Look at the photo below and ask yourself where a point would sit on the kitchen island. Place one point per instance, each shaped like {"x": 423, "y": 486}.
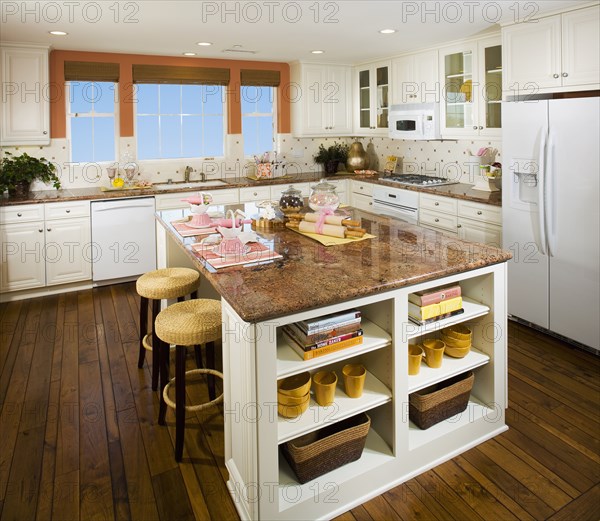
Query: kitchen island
{"x": 375, "y": 276}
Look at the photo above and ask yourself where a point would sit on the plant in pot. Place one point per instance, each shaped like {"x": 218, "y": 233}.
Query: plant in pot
{"x": 331, "y": 156}
{"x": 18, "y": 172}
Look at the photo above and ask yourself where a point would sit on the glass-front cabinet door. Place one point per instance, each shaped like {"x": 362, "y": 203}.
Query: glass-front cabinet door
{"x": 459, "y": 68}
{"x": 490, "y": 118}
{"x": 373, "y": 99}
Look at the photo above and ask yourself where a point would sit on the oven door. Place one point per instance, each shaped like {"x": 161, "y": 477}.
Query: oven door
{"x": 399, "y": 204}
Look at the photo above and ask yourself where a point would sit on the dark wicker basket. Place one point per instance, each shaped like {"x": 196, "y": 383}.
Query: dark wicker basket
{"x": 440, "y": 401}
{"x": 322, "y": 451}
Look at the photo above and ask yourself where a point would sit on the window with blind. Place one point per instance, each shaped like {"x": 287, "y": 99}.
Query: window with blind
{"x": 258, "y": 110}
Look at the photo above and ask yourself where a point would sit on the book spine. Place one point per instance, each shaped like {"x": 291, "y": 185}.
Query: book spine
{"x": 328, "y": 323}
{"x": 340, "y": 329}
{"x": 435, "y": 297}
{"x": 334, "y": 340}
{"x": 434, "y": 310}
{"x": 438, "y": 318}
{"x": 338, "y": 346}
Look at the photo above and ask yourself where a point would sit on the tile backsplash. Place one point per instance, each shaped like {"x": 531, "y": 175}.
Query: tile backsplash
{"x": 448, "y": 159}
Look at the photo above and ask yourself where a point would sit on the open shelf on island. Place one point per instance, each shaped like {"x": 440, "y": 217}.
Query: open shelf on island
{"x": 376, "y": 453}
{"x": 375, "y": 393}
{"x": 475, "y": 411}
{"x": 472, "y": 309}
{"x": 450, "y": 367}
{"x": 290, "y": 363}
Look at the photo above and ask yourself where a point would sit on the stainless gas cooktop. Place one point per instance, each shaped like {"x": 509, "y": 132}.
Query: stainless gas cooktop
{"x": 418, "y": 180}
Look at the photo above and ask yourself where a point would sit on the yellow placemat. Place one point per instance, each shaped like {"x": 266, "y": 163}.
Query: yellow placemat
{"x": 254, "y": 178}
{"x": 116, "y": 189}
{"x": 326, "y": 240}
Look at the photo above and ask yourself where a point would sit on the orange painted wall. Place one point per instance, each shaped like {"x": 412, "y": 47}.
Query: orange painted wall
{"x": 58, "y": 120}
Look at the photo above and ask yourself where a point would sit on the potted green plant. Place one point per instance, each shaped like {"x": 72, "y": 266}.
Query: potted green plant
{"x": 18, "y": 172}
{"x": 331, "y": 156}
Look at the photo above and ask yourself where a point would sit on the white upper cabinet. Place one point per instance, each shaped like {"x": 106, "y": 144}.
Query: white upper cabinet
{"x": 372, "y": 91}
{"x": 471, "y": 89}
{"x": 415, "y": 78}
{"x": 322, "y": 102}
{"x": 557, "y": 53}
{"x": 25, "y": 95}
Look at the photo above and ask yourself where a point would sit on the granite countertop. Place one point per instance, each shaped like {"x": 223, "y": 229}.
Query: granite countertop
{"x": 458, "y": 191}
{"x": 311, "y": 275}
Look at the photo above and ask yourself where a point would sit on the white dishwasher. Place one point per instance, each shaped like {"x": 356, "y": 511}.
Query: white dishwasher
{"x": 123, "y": 239}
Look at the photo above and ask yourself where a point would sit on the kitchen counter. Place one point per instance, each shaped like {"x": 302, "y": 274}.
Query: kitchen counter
{"x": 400, "y": 255}
{"x": 458, "y": 191}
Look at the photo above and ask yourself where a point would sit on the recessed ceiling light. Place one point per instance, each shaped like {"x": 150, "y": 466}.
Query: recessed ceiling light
{"x": 189, "y": 54}
{"x": 317, "y": 52}
{"x": 204, "y": 44}
{"x": 58, "y": 33}
{"x": 387, "y": 31}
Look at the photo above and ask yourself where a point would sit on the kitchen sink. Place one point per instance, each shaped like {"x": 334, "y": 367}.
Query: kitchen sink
{"x": 192, "y": 185}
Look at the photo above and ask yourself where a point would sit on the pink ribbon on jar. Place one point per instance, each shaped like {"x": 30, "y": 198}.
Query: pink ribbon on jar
{"x": 321, "y": 219}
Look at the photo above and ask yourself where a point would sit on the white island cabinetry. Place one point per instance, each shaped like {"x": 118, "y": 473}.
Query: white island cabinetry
{"x": 257, "y": 355}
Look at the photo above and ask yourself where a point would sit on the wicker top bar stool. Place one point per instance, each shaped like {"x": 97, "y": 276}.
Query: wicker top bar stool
{"x": 167, "y": 283}
{"x": 189, "y": 323}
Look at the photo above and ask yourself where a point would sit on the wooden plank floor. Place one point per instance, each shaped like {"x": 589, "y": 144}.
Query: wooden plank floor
{"x": 79, "y": 439}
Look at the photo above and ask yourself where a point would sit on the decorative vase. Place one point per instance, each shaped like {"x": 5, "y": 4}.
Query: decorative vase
{"x": 331, "y": 166}
{"x": 21, "y": 189}
{"x": 357, "y": 158}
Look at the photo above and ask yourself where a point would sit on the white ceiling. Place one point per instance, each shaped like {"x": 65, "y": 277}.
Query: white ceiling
{"x": 280, "y": 30}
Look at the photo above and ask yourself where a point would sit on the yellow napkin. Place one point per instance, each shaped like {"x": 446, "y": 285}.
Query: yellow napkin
{"x": 326, "y": 240}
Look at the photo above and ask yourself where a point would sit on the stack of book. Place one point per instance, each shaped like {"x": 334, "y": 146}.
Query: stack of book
{"x": 324, "y": 335}
{"x": 435, "y": 304}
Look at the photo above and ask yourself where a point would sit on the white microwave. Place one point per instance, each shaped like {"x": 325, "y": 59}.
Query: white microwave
{"x": 415, "y": 121}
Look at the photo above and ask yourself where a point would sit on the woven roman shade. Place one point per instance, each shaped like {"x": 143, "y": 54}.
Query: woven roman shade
{"x": 180, "y": 75}
{"x": 256, "y": 78}
{"x": 91, "y": 71}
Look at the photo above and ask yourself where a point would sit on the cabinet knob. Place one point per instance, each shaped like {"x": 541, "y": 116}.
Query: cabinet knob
{"x": 41, "y": 230}
{"x": 565, "y": 74}
{"x": 437, "y": 204}
{"x": 459, "y": 226}
{"x": 255, "y": 194}
{"x": 480, "y": 128}
{"x": 556, "y": 75}
{"x": 475, "y": 127}
{"x": 480, "y": 213}
{"x": 68, "y": 211}
{"x": 370, "y": 204}
{"x": 437, "y": 220}
{"x": 48, "y": 229}
{"x": 45, "y": 132}
{"x": 19, "y": 215}
{"x": 360, "y": 188}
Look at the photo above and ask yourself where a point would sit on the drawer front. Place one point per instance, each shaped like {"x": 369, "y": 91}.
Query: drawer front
{"x": 277, "y": 189}
{"x": 173, "y": 201}
{"x": 362, "y": 202}
{"x": 229, "y": 196}
{"x": 255, "y": 194}
{"x": 67, "y": 210}
{"x": 439, "y": 204}
{"x": 21, "y": 213}
{"x": 340, "y": 184}
{"x": 439, "y": 220}
{"x": 447, "y": 233}
{"x": 359, "y": 187}
{"x": 481, "y": 212}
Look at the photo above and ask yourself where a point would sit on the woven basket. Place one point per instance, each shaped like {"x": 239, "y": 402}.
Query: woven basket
{"x": 441, "y": 401}
{"x": 322, "y": 451}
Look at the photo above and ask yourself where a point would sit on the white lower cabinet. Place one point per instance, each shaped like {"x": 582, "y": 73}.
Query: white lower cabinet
{"x": 474, "y": 231}
{"x": 262, "y": 482}
{"x": 361, "y": 195}
{"x": 39, "y": 251}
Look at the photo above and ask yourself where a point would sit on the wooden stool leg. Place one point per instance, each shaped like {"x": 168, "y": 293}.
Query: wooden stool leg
{"x": 179, "y": 401}
{"x": 194, "y": 295}
{"x": 181, "y": 299}
{"x": 163, "y": 349}
{"x": 210, "y": 364}
{"x": 155, "y": 352}
{"x": 143, "y": 329}
{"x": 198, "y": 354}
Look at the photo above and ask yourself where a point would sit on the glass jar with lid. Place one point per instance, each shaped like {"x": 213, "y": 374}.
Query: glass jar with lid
{"x": 323, "y": 197}
{"x": 291, "y": 200}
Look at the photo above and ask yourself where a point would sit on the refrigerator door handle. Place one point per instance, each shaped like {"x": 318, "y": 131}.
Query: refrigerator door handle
{"x": 550, "y": 189}
{"x": 541, "y": 191}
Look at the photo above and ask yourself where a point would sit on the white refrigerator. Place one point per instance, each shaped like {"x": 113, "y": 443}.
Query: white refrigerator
{"x": 550, "y": 214}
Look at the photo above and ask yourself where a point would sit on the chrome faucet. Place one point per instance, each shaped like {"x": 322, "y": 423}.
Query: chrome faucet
{"x": 186, "y": 174}
{"x": 202, "y": 176}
